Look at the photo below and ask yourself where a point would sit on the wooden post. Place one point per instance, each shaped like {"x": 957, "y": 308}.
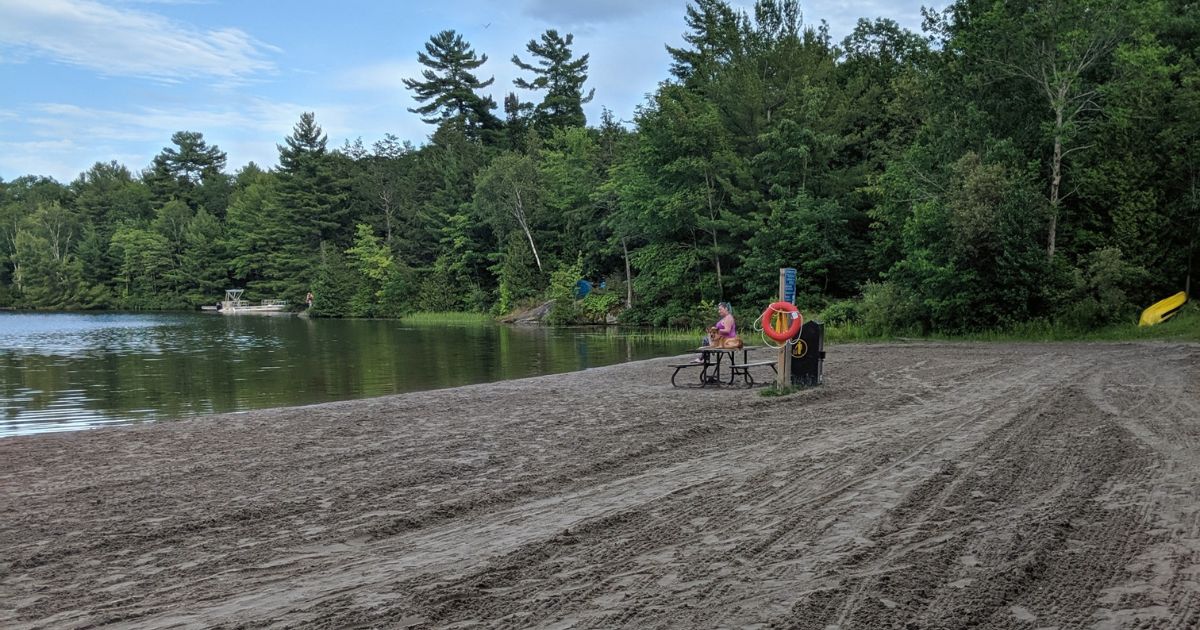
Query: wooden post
{"x": 785, "y": 361}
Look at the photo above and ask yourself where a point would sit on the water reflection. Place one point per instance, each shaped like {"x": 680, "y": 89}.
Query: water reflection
{"x": 63, "y": 372}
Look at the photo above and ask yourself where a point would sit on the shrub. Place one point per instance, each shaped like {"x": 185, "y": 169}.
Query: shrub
{"x": 565, "y": 309}
{"x": 886, "y": 308}
{"x": 598, "y": 304}
{"x": 842, "y": 312}
{"x": 1100, "y": 290}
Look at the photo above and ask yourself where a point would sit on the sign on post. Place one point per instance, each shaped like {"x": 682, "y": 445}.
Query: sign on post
{"x": 787, "y": 293}
{"x": 789, "y": 285}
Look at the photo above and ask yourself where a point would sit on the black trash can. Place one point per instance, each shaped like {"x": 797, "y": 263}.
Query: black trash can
{"x": 808, "y": 354}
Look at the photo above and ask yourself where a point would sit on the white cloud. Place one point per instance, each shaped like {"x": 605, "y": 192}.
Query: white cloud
{"x": 60, "y": 159}
{"x": 64, "y": 140}
{"x": 383, "y": 76}
{"x": 842, "y": 17}
{"x": 123, "y": 42}
{"x": 69, "y": 138}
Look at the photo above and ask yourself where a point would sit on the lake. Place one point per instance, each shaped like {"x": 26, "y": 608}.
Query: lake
{"x": 70, "y": 371}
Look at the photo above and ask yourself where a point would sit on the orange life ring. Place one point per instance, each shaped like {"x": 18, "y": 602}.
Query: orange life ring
{"x": 781, "y": 307}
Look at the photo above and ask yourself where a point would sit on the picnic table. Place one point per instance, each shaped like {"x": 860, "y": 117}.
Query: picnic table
{"x": 720, "y": 366}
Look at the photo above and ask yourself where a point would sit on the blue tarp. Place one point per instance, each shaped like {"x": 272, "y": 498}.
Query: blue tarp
{"x": 582, "y": 289}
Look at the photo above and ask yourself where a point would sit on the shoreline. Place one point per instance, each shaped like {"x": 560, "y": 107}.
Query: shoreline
{"x": 927, "y": 483}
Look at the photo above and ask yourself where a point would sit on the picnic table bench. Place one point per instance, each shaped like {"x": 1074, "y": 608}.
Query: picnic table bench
{"x": 711, "y": 361}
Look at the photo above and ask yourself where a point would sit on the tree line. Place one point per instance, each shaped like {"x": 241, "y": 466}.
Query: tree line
{"x": 1014, "y": 161}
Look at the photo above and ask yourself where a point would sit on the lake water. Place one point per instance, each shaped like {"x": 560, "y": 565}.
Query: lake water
{"x": 67, "y": 371}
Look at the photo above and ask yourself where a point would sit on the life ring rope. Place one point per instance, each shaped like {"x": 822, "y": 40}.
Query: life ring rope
{"x": 781, "y": 307}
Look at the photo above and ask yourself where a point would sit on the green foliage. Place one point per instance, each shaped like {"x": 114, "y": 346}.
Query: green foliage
{"x": 508, "y": 194}
{"x": 811, "y": 235}
{"x": 517, "y": 276}
{"x": 46, "y": 267}
{"x": 301, "y": 210}
{"x": 775, "y": 390}
{"x": 560, "y": 77}
{"x": 190, "y": 173}
{"x": 598, "y": 305}
{"x": 1103, "y": 291}
{"x": 842, "y": 312}
{"x": 335, "y": 285}
{"x": 561, "y": 291}
{"x": 570, "y": 170}
{"x": 143, "y": 262}
{"x": 203, "y": 259}
{"x": 971, "y": 257}
{"x": 666, "y": 284}
{"x": 373, "y": 262}
{"x": 932, "y": 175}
{"x": 439, "y": 292}
{"x": 886, "y": 308}
{"x": 448, "y": 90}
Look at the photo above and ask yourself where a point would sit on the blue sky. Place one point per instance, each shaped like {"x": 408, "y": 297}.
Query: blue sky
{"x": 90, "y": 80}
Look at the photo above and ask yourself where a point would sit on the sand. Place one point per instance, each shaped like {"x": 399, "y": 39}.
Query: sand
{"x": 923, "y": 486}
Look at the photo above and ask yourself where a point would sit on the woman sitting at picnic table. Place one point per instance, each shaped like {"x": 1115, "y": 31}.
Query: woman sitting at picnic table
{"x": 726, "y": 328}
{"x": 724, "y": 333}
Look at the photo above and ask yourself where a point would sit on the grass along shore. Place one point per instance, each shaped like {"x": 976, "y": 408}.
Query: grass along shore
{"x": 1183, "y": 327}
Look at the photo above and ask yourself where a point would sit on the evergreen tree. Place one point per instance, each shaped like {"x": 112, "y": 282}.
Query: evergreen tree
{"x": 518, "y": 123}
{"x": 203, "y": 259}
{"x": 334, "y": 285}
{"x": 448, "y": 88}
{"x": 444, "y": 176}
{"x": 309, "y": 208}
{"x": 560, "y": 77}
{"x": 107, "y": 195}
{"x": 571, "y": 168}
{"x": 183, "y": 172}
{"x": 255, "y": 223}
{"x": 715, "y": 38}
{"x": 143, "y": 260}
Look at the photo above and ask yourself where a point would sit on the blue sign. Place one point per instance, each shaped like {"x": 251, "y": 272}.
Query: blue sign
{"x": 789, "y": 285}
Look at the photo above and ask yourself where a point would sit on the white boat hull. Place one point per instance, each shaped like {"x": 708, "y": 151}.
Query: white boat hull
{"x": 233, "y": 304}
{"x": 254, "y": 310}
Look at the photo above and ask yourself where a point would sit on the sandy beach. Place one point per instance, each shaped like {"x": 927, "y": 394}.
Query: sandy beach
{"x": 925, "y": 485}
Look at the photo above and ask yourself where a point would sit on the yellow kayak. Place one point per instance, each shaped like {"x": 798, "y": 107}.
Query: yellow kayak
{"x": 1162, "y": 310}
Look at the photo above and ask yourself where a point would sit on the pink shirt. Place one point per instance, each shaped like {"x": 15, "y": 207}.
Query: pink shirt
{"x": 731, "y": 331}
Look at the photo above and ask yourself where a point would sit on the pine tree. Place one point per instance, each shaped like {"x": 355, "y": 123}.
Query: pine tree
{"x": 449, "y": 85}
{"x": 310, "y": 186}
{"x": 180, "y": 173}
{"x": 561, "y": 78}
{"x": 310, "y": 208}
{"x": 716, "y": 38}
